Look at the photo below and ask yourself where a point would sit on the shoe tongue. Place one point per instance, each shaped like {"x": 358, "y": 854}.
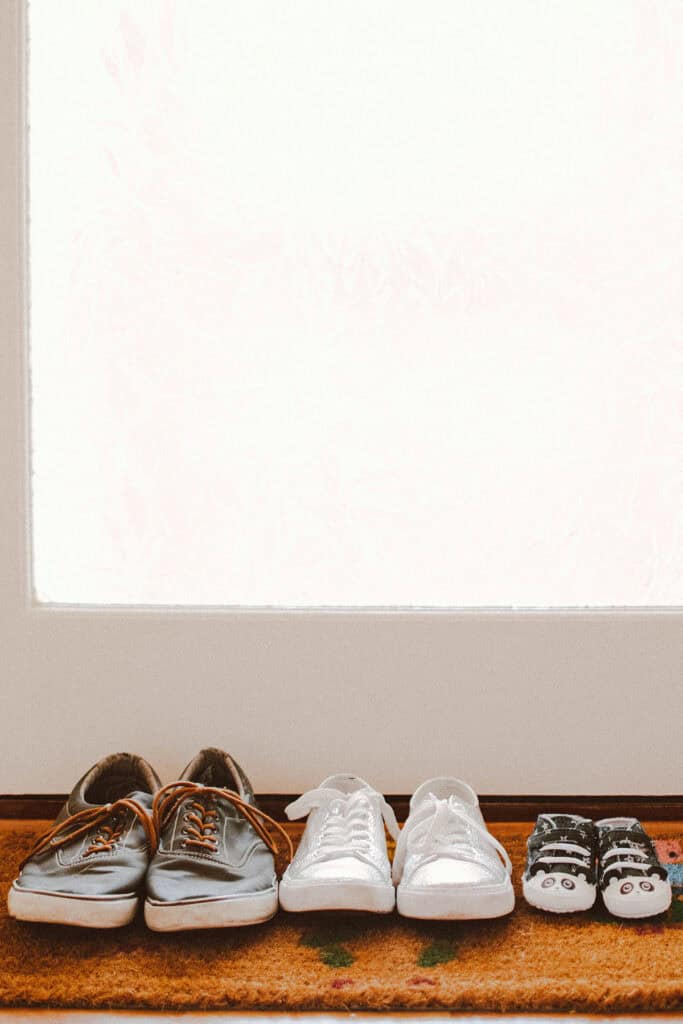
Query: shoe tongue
{"x": 446, "y": 788}
{"x": 608, "y": 824}
{"x": 562, "y": 820}
{"x": 144, "y": 799}
{"x": 346, "y": 783}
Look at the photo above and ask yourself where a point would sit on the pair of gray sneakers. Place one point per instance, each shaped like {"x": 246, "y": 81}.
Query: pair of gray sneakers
{"x": 199, "y": 847}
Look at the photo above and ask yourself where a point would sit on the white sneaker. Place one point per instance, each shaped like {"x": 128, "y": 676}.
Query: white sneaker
{"x": 447, "y": 865}
{"x": 341, "y": 862}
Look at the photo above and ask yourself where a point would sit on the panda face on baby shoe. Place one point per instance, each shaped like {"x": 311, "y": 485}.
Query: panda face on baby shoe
{"x": 632, "y": 881}
{"x": 560, "y": 875}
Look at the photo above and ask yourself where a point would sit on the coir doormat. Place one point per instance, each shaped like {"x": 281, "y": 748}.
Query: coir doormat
{"x": 528, "y": 962}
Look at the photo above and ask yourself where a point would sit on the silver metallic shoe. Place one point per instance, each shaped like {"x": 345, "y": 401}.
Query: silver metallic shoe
{"x": 447, "y": 865}
{"x": 341, "y": 862}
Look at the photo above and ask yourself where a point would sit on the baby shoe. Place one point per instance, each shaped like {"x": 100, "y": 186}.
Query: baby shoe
{"x": 632, "y": 881}
{"x": 88, "y": 869}
{"x": 561, "y": 868}
{"x": 447, "y": 865}
{"x": 214, "y": 865}
{"x": 341, "y": 862}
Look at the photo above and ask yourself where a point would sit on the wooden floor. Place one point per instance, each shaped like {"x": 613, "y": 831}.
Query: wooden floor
{"x": 46, "y": 1016}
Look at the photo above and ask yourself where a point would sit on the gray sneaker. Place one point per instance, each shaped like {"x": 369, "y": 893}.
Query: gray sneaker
{"x": 214, "y": 865}
{"x": 88, "y": 869}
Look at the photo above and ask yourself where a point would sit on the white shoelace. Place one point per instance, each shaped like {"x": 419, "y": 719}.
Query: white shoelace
{"x": 619, "y": 857}
{"x": 565, "y": 847}
{"x": 346, "y": 828}
{"x": 444, "y": 828}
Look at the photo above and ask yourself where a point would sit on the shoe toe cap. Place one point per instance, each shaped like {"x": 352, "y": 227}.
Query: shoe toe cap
{"x": 637, "y": 897}
{"x": 451, "y": 871}
{"x": 339, "y": 869}
{"x": 559, "y": 892}
{"x": 173, "y": 880}
{"x": 88, "y": 878}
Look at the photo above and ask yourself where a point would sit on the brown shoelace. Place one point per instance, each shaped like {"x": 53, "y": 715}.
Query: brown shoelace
{"x": 201, "y": 820}
{"x": 83, "y": 821}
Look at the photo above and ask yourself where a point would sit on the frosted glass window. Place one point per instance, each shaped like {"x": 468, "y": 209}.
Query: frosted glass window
{"x": 357, "y": 303}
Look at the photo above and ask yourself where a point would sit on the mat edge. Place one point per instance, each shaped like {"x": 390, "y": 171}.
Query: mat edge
{"x": 498, "y": 807}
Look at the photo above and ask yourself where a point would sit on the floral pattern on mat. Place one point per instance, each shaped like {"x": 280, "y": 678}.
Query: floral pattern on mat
{"x": 332, "y": 939}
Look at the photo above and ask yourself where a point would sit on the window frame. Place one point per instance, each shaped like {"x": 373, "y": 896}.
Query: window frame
{"x": 516, "y": 701}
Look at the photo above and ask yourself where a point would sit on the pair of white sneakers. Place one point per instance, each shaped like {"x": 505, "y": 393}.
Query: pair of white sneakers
{"x": 447, "y": 865}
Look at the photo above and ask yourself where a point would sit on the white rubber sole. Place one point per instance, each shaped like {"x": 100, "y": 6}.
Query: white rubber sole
{"x": 80, "y": 911}
{"x": 303, "y": 897}
{"x": 639, "y": 907}
{"x": 557, "y": 902}
{"x": 221, "y": 912}
{"x": 455, "y": 903}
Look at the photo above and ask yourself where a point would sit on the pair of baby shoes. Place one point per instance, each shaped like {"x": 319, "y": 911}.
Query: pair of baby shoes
{"x": 198, "y": 849}
{"x": 570, "y": 858}
{"x": 447, "y": 865}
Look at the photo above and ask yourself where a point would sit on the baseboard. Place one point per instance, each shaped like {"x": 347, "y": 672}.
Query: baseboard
{"x": 495, "y": 808}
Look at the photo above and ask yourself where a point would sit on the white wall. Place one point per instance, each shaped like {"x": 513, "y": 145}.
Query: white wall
{"x": 515, "y": 704}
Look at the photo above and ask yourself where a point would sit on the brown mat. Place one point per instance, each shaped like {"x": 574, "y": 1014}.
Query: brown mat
{"x": 528, "y": 962}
